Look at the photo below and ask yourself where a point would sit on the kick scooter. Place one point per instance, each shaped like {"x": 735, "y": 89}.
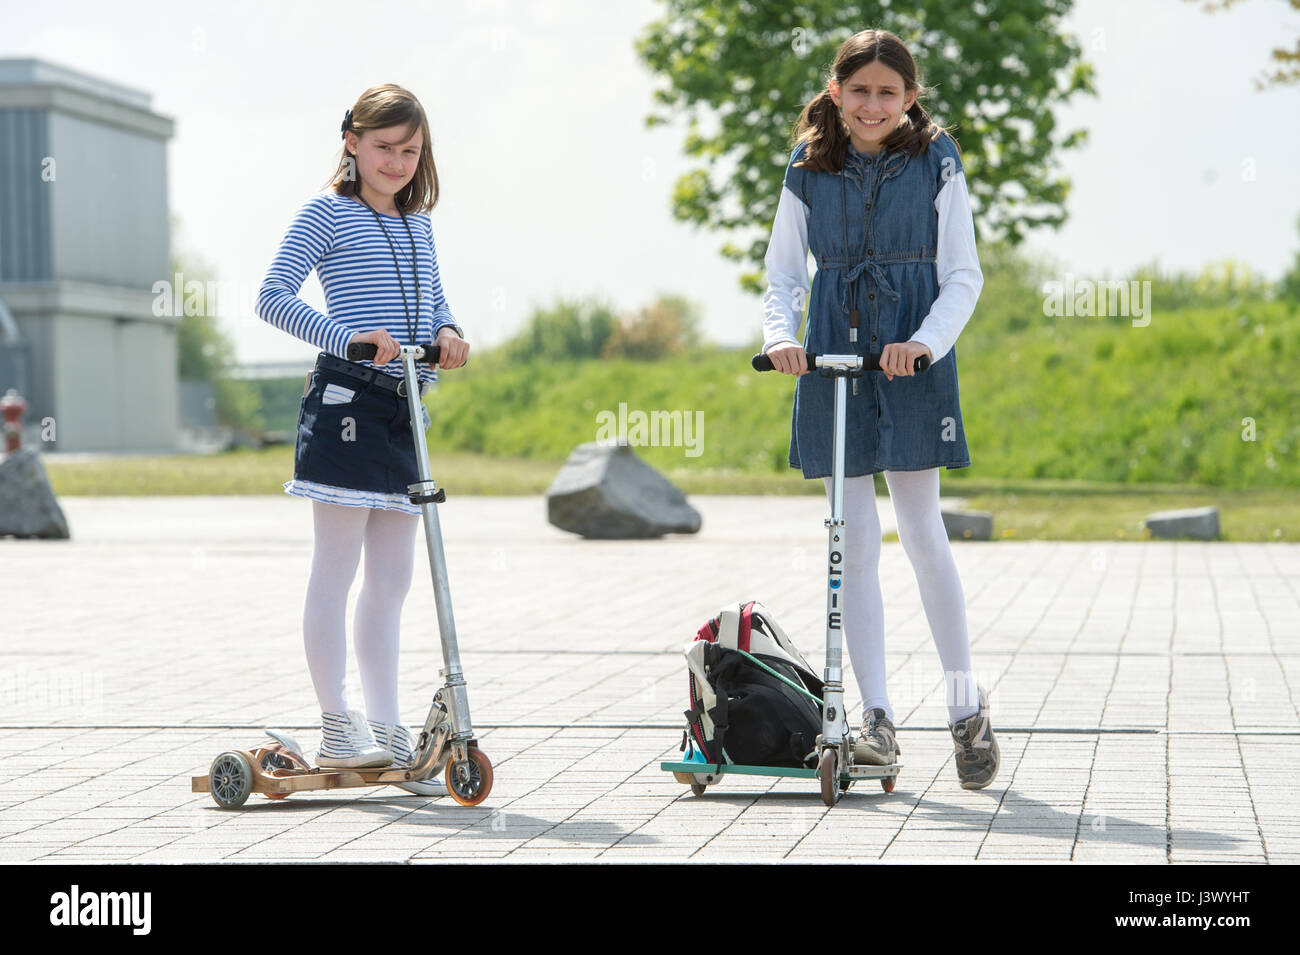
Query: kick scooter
{"x": 835, "y": 768}
{"x": 280, "y": 767}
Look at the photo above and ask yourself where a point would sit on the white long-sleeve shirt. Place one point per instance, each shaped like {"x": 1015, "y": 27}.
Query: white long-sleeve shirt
{"x": 956, "y": 263}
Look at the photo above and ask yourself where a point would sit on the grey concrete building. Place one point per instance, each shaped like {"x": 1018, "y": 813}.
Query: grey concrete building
{"x": 84, "y": 237}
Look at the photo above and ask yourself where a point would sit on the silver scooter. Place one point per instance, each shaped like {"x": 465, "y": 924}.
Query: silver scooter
{"x": 446, "y": 741}
{"x": 835, "y": 768}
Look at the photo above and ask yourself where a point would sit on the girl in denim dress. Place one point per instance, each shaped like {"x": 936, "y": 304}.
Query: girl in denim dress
{"x": 878, "y": 193}
{"x": 370, "y": 241}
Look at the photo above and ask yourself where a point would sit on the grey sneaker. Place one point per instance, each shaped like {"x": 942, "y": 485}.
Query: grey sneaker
{"x": 398, "y": 740}
{"x": 877, "y": 744}
{"x": 977, "y": 754}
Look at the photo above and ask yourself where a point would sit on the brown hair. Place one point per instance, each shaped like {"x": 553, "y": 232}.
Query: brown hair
{"x": 825, "y": 133}
{"x": 382, "y": 107}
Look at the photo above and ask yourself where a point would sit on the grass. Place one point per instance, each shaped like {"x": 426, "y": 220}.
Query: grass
{"x": 1078, "y": 427}
{"x": 1202, "y": 396}
{"x": 264, "y": 471}
{"x": 1269, "y": 515}
{"x": 1023, "y": 509}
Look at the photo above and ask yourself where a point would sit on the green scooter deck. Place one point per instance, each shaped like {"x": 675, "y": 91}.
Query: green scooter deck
{"x": 711, "y": 769}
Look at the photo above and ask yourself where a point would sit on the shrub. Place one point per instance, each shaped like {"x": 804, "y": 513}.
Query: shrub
{"x": 668, "y": 326}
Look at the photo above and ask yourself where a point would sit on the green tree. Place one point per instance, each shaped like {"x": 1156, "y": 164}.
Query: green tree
{"x": 668, "y": 326}
{"x": 1226, "y": 282}
{"x": 742, "y": 70}
{"x": 1288, "y": 70}
{"x": 1290, "y": 285}
{"x": 571, "y": 328}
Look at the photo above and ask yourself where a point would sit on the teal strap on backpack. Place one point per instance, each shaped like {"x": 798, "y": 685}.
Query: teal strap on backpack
{"x": 790, "y": 683}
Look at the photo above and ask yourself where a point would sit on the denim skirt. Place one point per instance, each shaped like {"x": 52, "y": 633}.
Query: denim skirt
{"x": 353, "y": 432}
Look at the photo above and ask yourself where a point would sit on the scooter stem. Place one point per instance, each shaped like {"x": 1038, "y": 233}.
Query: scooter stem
{"x": 833, "y": 722}
{"x": 458, "y": 700}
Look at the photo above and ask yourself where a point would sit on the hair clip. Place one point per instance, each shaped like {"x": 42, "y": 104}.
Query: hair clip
{"x": 347, "y": 121}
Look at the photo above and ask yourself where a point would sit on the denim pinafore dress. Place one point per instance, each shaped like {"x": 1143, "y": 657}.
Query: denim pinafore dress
{"x": 873, "y": 228}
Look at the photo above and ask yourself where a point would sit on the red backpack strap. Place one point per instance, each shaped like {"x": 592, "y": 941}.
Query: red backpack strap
{"x": 742, "y": 637}
{"x": 709, "y": 632}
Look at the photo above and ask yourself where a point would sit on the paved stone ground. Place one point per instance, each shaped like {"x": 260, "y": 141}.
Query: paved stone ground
{"x": 1144, "y": 693}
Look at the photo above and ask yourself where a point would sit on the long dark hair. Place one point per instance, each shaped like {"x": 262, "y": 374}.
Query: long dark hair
{"x": 381, "y": 107}
{"x": 825, "y": 133}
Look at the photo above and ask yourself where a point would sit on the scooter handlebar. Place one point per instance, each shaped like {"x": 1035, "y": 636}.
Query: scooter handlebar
{"x": 365, "y": 351}
{"x": 869, "y": 362}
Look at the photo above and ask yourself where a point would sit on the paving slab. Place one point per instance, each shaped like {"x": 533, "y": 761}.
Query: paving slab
{"x": 1144, "y": 693}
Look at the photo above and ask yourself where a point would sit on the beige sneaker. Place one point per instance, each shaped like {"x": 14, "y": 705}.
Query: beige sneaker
{"x": 877, "y": 745}
{"x": 977, "y": 748}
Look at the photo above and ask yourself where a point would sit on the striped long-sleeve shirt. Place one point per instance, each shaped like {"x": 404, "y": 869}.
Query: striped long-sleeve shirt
{"x": 339, "y": 237}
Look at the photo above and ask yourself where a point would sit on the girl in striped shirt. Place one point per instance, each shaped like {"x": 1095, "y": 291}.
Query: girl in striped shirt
{"x": 370, "y": 241}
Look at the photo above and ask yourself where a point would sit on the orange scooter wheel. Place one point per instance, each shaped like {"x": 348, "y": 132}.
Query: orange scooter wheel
{"x": 470, "y": 780}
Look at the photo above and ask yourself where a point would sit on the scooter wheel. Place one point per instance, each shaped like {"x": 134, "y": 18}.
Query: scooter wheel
{"x": 230, "y": 780}
{"x": 828, "y": 773}
{"x": 470, "y": 780}
{"x": 698, "y": 788}
{"x": 887, "y": 783}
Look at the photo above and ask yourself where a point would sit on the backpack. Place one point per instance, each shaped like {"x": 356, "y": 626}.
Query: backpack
{"x": 754, "y": 699}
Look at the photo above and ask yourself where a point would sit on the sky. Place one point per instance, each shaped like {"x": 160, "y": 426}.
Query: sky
{"x": 553, "y": 186}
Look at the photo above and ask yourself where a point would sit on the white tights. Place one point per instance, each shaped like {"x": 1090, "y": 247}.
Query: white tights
{"x": 389, "y": 539}
{"x": 915, "y": 496}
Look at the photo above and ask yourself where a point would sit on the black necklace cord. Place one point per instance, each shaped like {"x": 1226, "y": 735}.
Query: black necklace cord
{"x": 401, "y": 282}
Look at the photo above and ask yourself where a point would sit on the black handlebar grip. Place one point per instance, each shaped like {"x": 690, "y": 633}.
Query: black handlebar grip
{"x": 869, "y": 362}
{"x": 872, "y": 363}
{"x": 365, "y": 351}
{"x": 764, "y": 362}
